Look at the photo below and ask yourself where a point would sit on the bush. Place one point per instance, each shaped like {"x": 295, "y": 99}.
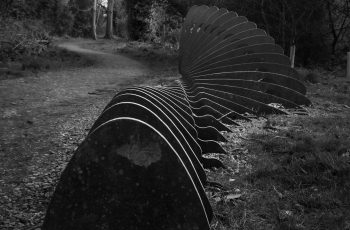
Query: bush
{"x": 27, "y": 37}
{"x": 156, "y": 20}
{"x": 65, "y": 21}
{"x": 163, "y": 24}
{"x": 81, "y": 26}
{"x": 121, "y": 19}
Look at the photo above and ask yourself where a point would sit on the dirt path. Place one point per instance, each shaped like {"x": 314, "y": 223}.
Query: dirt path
{"x": 42, "y": 120}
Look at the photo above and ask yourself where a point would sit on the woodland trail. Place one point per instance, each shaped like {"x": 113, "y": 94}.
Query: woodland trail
{"x": 42, "y": 120}
{"x": 283, "y": 171}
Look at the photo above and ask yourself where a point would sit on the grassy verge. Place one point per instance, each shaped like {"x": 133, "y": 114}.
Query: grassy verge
{"x": 150, "y": 53}
{"x": 289, "y": 172}
{"x": 52, "y": 59}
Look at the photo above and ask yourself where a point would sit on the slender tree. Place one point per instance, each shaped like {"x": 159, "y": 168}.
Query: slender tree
{"x": 109, "y": 26}
{"x": 263, "y": 15}
{"x": 93, "y": 20}
{"x": 130, "y": 18}
{"x": 338, "y": 20}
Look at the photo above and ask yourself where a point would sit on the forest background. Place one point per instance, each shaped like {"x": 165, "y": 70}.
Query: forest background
{"x": 320, "y": 30}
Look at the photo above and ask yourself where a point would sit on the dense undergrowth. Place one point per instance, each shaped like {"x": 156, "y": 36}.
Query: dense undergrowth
{"x": 22, "y": 37}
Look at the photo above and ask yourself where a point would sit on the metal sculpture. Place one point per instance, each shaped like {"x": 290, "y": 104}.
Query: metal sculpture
{"x": 142, "y": 165}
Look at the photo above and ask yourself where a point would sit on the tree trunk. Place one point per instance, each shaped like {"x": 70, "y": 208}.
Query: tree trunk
{"x": 163, "y": 34}
{"x": 98, "y": 15}
{"x": 263, "y": 15}
{"x": 130, "y": 19}
{"x": 115, "y": 25}
{"x": 292, "y": 55}
{"x": 109, "y": 26}
{"x": 348, "y": 67}
{"x": 93, "y": 20}
{"x": 283, "y": 22}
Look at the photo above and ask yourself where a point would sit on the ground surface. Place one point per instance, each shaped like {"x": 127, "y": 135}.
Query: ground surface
{"x": 43, "y": 118}
{"x": 283, "y": 172}
{"x": 289, "y": 172}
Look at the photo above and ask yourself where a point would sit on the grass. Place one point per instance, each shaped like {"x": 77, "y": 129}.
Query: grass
{"x": 155, "y": 55}
{"x": 289, "y": 172}
{"x": 52, "y": 59}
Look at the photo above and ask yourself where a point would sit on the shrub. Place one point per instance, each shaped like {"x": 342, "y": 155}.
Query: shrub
{"x": 81, "y": 26}
{"x": 163, "y": 24}
{"x": 27, "y": 37}
{"x": 156, "y": 20}
{"x": 64, "y": 22}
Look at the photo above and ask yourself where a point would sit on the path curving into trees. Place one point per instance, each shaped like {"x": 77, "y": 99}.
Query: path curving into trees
{"x": 44, "y": 117}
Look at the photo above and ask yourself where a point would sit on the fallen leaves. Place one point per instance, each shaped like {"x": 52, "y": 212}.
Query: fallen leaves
{"x": 232, "y": 197}
{"x": 225, "y": 196}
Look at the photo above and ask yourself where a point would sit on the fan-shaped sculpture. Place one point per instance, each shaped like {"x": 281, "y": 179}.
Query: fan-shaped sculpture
{"x": 141, "y": 165}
